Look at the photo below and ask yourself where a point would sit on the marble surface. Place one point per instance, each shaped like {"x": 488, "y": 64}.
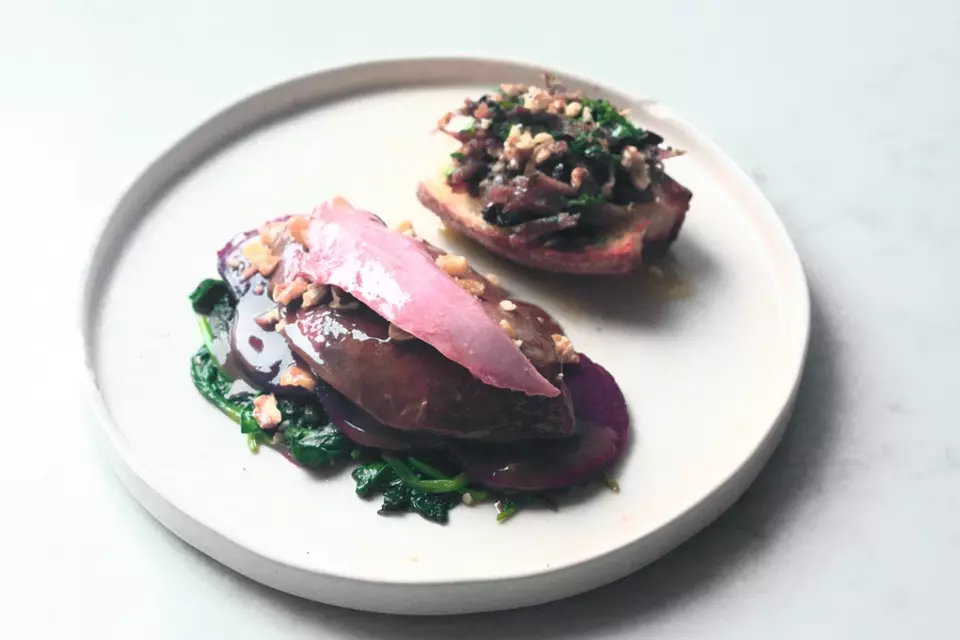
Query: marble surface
{"x": 844, "y": 112}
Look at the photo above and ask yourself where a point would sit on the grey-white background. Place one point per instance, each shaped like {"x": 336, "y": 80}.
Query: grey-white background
{"x": 844, "y": 112}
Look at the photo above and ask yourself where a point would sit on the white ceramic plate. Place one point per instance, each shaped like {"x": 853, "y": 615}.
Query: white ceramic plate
{"x": 709, "y": 376}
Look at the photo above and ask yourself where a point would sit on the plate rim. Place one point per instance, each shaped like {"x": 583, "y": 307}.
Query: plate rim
{"x": 216, "y": 132}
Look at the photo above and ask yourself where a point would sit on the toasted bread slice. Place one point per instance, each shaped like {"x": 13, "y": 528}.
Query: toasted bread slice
{"x": 647, "y": 235}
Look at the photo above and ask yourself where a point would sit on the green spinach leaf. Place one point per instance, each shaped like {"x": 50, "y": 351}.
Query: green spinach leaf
{"x": 371, "y": 477}
{"x": 317, "y": 447}
{"x": 214, "y": 386}
{"x": 208, "y": 294}
{"x": 432, "y": 506}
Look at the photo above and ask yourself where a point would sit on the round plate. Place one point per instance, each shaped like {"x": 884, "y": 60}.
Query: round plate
{"x": 708, "y": 352}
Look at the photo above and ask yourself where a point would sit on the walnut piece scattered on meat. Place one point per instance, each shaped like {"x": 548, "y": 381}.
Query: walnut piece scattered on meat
{"x": 297, "y": 228}
{"x": 406, "y": 228}
{"x": 508, "y": 305}
{"x": 294, "y": 376}
{"x": 473, "y": 287}
{"x": 542, "y": 153}
{"x": 536, "y": 99}
{"x": 494, "y": 279}
{"x": 525, "y": 142}
{"x": 260, "y": 257}
{"x": 565, "y": 350}
{"x": 265, "y": 411}
{"x": 271, "y": 232}
{"x": 577, "y": 176}
{"x": 635, "y": 162}
{"x": 508, "y": 328}
{"x": 573, "y": 110}
{"x": 513, "y": 89}
{"x": 287, "y": 293}
{"x": 268, "y": 320}
{"x": 453, "y": 265}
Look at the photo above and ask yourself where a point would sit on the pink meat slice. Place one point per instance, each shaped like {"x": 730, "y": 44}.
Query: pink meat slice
{"x": 399, "y": 280}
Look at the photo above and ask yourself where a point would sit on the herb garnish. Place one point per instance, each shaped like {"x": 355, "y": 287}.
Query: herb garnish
{"x": 585, "y": 200}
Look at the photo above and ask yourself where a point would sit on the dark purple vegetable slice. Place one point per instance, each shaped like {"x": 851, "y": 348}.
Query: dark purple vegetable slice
{"x": 255, "y": 354}
{"x": 600, "y": 438}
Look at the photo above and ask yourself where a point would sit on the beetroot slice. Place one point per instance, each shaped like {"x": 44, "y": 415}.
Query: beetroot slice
{"x": 600, "y": 438}
{"x": 398, "y": 278}
{"x": 255, "y": 354}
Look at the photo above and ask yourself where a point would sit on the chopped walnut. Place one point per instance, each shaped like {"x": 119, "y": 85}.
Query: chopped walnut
{"x": 265, "y": 411}
{"x": 508, "y": 328}
{"x": 525, "y": 142}
{"x": 396, "y": 333}
{"x": 519, "y": 343}
{"x": 636, "y": 163}
{"x": 587, "y": 114}
{"x": 640, "y": 176}
{"x": 573, "y": 110}
{"x": 543, "y": 153}
{"x": 342, "y": 301}
{"x": 297, "y": 228}
{"x": 513, "y": 89}
{"x": 473, "y": 287}
{"x": 494, "y": 279}
{"x": 271, "y": 232}
{"x": 314, "y": 295}
{"x": 287, "y": 293}
{"x": 565, "y": 350}
{"x": 269, "y": 319}
{"x": 453, "y": 265}
{"x": 294, "y": 376}
{"x": 260, "y": 257}
{"x": 508, "y": 305}
{"x": 406, "y": 228}
{"x": 577, "y": 176}
{"x": 536, "y": 99}
{"x": 540, "y": 138}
